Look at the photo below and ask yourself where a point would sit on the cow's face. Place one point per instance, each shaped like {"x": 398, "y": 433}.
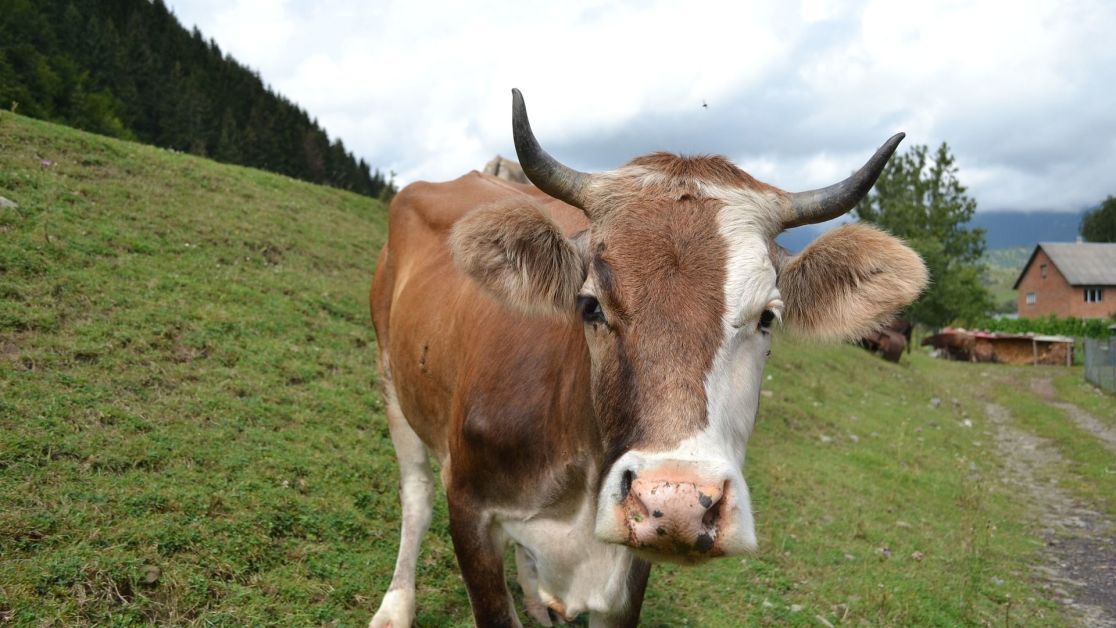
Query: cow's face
{"x": 678, "y": 285}
{"x": 678, "y": 305}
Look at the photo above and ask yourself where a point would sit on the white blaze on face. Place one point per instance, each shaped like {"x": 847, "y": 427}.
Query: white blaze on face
{"x": 732, "y": 386}
{"x": 733, "y": 383}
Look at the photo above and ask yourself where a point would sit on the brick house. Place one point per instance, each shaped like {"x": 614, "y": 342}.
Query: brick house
{"x": 1068, "y": 279}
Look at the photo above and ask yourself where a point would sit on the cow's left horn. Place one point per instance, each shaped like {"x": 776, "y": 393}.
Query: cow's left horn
{"x": 546, "y": 172}
{"x": 826, "y": 203}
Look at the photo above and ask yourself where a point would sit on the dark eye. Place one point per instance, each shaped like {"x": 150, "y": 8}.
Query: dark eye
{"x": 590, "y": 309}
{"x": 765, "y": 319}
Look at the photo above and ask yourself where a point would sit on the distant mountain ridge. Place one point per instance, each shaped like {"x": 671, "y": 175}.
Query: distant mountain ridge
{"x": 1002, "y": 229}
{"x": 1007, "y": 229}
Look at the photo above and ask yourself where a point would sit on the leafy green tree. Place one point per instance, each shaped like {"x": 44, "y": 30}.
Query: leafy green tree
{"x": 1099, "y": 224}
{"x": 919, "y": 198}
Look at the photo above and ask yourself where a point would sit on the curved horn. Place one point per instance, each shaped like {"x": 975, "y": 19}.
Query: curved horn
{"x": 550, "y": 176}
{"x": 830, "y": 202}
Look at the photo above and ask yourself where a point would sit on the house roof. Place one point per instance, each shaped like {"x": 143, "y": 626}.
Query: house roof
{"x": 1081, "y": 263}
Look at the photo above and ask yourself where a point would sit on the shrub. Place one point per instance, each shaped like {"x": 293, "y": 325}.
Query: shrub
{"x": 1051, "y": 325}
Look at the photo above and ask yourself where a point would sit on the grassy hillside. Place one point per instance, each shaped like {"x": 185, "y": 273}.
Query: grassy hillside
{"x": 186, "y": 389}
{"x": 1002, "y": 268}
{"x": 189, "y": 431}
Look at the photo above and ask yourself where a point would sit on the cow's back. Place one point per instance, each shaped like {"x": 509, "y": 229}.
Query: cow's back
{"x": 443, "y": 342}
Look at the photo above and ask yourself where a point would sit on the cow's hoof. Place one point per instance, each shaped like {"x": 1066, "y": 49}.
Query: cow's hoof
{"x": 538, "y": 611}
{"x": 396, "y": 611}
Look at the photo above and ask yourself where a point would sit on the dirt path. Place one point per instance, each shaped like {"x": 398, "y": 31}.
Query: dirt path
{"x": 1081, "y": 566}
{"x": 1104, "y": 433}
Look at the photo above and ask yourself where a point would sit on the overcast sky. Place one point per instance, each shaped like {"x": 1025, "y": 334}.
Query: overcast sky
{"x": 798, "y": 94}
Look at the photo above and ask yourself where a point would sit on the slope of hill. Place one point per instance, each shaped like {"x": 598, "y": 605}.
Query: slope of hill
{"x": 1001, "y": 269}
{"x": 190, "y": 433}
{"x": 187, "y": 385}
{"x": 129, "y": 69}
{"x": 1011, "y": 229}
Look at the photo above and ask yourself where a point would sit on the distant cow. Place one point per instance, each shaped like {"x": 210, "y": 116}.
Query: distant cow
{"x": 954, "y": 344}
{"x": 584, "y": 359}
{"x": 889, "y": 340}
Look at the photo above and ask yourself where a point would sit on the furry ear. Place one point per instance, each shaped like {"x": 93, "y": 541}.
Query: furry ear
{"x": 849, "y": 282}
{"x": 520, "y": 256}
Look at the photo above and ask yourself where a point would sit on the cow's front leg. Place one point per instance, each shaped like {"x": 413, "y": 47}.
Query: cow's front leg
{"x": 528, "y": 576}
{"x": 416, "y": 492}
{"x": 481, "y": 558}
{"x": 628, "y": 616}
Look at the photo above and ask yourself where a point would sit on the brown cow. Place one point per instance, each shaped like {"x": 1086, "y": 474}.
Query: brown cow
{"x": 890, "y": 340}
{"x": 584, "y": 360}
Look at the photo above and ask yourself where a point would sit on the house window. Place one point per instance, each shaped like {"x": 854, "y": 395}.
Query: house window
{"x": 1094, "y": 295}
{"x": 1031, "y": 298}
{"x": 1042, "y": 269}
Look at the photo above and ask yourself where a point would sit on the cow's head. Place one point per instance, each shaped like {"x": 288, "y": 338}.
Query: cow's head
{"x": 678, "y": 283}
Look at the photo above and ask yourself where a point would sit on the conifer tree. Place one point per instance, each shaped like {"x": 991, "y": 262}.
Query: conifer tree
{"x": 919, "y": 198}
{"x": 127, "y": 68}
{"x": 1099, "y": 223}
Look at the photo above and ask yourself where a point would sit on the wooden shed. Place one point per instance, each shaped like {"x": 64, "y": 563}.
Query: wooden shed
{"x": 984, "y": 346}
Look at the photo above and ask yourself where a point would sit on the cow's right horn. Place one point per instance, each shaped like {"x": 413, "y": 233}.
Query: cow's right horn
{"x": 807, "y": 208}
{"x": 546, "y": 172}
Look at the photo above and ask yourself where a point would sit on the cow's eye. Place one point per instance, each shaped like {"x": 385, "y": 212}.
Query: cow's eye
{"x": 590, "y": 309}
{"x": 766, "y": 319}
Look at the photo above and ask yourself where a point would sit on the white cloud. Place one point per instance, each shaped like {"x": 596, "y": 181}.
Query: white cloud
{"x": 798, "y": 93}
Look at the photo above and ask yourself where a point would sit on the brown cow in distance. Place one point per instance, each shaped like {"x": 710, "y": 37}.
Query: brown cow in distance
{"x": 584, "y": 360}
{"x": 890, "y": 340}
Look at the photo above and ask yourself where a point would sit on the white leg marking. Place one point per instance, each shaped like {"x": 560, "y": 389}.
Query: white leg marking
{"x": 416, "y": 492}
{"x": 528, "y": 576}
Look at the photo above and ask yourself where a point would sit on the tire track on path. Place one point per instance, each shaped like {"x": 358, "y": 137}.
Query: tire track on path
{"x": 1080, "y": 566}
{"x": 1106, "y": 434}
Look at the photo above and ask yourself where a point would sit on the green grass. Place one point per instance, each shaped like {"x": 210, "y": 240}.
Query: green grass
{"x": 1088, "y": 397}
{"x": 186, "y": 382}
{"x": 190, "y": 433}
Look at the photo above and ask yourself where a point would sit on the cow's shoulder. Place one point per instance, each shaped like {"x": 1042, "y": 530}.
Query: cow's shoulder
{"x": 522, "y": 411}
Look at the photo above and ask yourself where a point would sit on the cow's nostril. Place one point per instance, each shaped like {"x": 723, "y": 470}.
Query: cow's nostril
{"x": 712, "y": 516}
{"x": 626, "y": 484}
{"x": 705, "y": 500}
{"x": 704, "y": 542}
{"x": 713, "y": 507}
